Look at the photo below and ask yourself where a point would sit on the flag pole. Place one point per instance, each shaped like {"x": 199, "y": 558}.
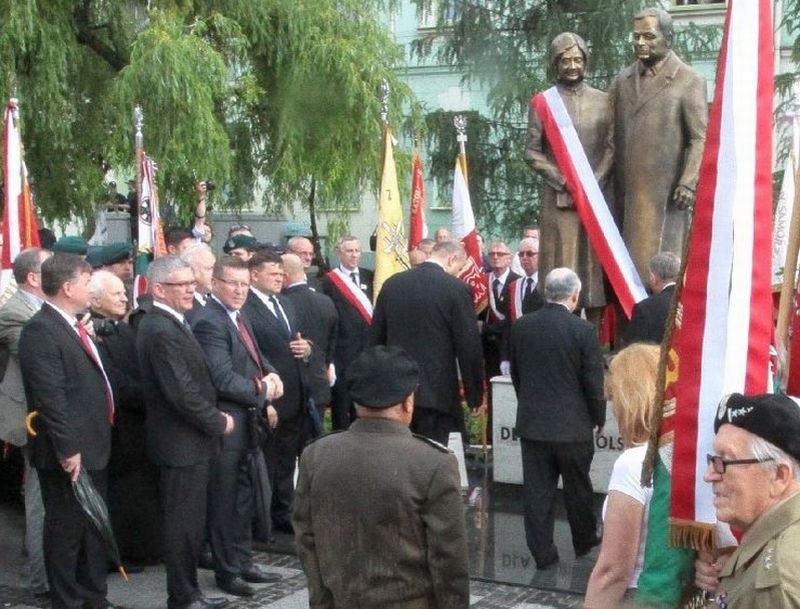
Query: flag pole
{"x": 786, "y": 304}
{"x": 138, "y": 124}
{"x": 460, "y": 123}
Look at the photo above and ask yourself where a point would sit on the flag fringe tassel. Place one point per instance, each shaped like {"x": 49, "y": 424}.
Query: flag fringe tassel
{"x": 691, "y": 534}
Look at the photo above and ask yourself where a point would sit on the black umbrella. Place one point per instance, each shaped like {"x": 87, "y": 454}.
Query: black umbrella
{"x": 94, "y": 508}
{"x": 254, "y": 476}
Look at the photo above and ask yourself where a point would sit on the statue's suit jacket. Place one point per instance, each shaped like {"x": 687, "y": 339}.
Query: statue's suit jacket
{"x": 659, "y": 135}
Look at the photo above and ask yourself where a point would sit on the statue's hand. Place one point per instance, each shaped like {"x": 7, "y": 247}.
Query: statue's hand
{"x": 683, "y": 197}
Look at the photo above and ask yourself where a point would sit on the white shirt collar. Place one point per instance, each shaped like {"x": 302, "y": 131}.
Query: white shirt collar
{"x": 170, "y": 310}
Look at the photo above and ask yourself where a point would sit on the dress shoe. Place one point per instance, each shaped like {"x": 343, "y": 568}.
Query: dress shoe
{"x": 584, "y": 550}
{"x": 254, "y": 575}
{"x": 205, "y": 560}
{"x": 548, "y": 561}
{"x": 236, "y": 586}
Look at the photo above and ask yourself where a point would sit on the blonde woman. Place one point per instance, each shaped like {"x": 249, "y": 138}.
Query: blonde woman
{"x": 631, "y": 386}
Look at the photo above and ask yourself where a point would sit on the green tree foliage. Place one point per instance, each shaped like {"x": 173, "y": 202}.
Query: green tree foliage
{"x": 243, "y": 92}
{"x": 503, "y": 46}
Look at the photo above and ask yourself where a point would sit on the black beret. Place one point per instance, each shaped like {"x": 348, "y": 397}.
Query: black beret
{"x": 115, "y": 252}
{"x": 382, "y": 377}
{"x": 773, "y": 417}
{"x": 245, "y": 241}
{"x": 71, "y": 244}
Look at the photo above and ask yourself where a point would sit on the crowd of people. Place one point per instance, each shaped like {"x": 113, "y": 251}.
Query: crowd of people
{"x": 189, "y": 409}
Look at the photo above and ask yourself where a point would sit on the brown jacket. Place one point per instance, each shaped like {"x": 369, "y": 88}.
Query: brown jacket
{"x": 379, "y": 521}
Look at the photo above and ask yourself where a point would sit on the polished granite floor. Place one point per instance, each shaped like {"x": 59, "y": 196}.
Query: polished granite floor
{"x": 497, "y": 547}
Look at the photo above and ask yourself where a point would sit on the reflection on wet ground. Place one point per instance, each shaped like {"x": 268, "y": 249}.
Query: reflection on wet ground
{"x": 497, "y": 547}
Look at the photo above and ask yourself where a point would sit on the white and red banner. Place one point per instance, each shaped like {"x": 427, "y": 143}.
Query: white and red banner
{"x": 20, "y": 229}
{"x": 151, "y": 233}
{"x": 723, "y": 328}
{"x": 417, "y": 227}
{"x": 465, "y": 231}
{"x": 589, "y": 200}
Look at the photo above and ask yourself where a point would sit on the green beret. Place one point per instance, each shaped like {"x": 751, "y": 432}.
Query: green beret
{"x": 71, "y": 244}
{"x": 93, "y": 254}
{"x": 115, "y": 252}
{"x": 245, "y": 241}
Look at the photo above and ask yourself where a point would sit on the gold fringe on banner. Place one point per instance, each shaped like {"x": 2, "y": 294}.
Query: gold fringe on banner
{"x": 690, "y": 534}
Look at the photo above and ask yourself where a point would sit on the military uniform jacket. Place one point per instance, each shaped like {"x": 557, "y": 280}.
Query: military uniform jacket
{"x": 764, "y": 571}
{"x": 379, "y": 521}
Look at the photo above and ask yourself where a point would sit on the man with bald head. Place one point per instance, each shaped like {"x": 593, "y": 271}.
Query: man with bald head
{"x": 428, "y": 312}
{"x": 304, "y": 250}
{"x": 317, "y": 320}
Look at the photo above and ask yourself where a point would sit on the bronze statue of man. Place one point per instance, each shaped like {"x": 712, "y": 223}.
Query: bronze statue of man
{"x": 564, "y": 242}
{"x": 660, "y": 117}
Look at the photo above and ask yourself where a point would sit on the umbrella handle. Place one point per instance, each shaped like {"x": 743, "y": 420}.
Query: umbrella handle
{"x": 122, "y": 572}
{"x": 29, "y": 423}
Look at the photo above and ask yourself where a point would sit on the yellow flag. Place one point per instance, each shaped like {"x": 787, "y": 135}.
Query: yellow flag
{"x": 390, "y": 251}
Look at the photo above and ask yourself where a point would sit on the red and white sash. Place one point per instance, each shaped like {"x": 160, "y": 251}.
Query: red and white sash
{"x": 589, "y": 201}
{"x": 352, "y": 293}
{"x": 515, "y": 305}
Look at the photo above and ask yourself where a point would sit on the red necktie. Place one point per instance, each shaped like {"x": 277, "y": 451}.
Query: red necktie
{"x": 248, "y": 341}
{"x": 89, "y": 348}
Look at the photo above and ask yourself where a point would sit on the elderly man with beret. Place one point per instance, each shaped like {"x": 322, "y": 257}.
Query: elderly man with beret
{"x": 378, "y": 516}
{"x": 755, "y": 474}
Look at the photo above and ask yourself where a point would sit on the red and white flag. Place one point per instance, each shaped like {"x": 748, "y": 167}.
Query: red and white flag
{"x": 464, "y": 230}
{"x": 723, "y": 325}
{"x": 20, "y": 229}
{"x": 417, "y": 227}
{"x": 590, "y": 203}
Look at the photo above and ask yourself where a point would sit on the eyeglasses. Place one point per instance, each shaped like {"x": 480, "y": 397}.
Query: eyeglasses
{"x": 499, "y": 253}
{"x": 244, "y": 285}
{"x": 720, "y": 465}
{"x": 181, "y": 284}
{"x": 525, "y": 254}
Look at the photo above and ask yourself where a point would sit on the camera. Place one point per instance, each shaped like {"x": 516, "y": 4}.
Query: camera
{"x": 104, "y": 327}
{"x": 210, "y": 185}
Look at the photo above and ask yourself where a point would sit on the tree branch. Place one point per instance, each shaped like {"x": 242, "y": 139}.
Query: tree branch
{"x": 86, "y": 34}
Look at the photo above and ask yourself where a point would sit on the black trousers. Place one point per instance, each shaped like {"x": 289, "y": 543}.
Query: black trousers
{"x": 288, "y": 440}
{"x": 342, "y": 410}
{"x": 230, "y": 513}
{"x": 75, "y": 558}
{"x": 183, "y": 498}
{"x": 437, "y": 425}
{"x": 542, "y": 463}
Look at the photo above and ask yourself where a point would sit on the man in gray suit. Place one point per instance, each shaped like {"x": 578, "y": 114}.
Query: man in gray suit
{"x": 660, "y": 118}
{"x": 19, "y": 308}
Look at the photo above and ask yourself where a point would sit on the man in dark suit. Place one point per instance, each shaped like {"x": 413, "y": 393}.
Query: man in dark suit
{"x": 318, "y": 321}
{"x": 183, "y": 424}
{"x": 428, "y": 312}
{"x": 557, "y": 371}
{"x": 650, "y": 315}
{"x": 350, "y": 288}
{"x": 66, "y": 384}
{"x": 245, "y": 384}
{"x": 275, "y": 327}
{"x": 133, "y": 503}
{"x": 496, "y": 322}
{"x": 379, "y": 517}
